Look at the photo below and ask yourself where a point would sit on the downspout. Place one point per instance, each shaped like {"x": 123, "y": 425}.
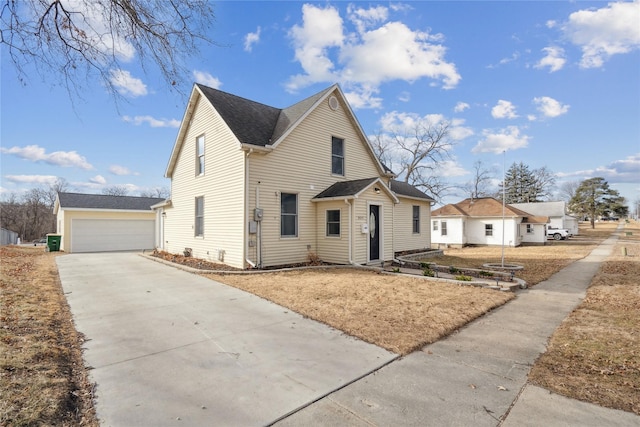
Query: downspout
{"x": 246, "y": 208}
{"x": 259, "y": 230}
{"x": 350, "y": 230}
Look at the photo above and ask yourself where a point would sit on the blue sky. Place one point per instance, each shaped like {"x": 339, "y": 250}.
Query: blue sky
{"x": 550, "y": 84}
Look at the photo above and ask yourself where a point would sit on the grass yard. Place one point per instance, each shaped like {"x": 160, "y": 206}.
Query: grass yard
{"x": 43, "y": 380}
{"x": 398, "y": 313}
{"x": 595, "y": 354}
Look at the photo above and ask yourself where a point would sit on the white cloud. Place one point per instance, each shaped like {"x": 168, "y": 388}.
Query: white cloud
{"x": 504, "y": 140}
{"x": 153, "y": 122}
{"x": 377, "y": 52}
{"x": 206, "y": 79}
{"x": 619, "y": 171}
{"x": 32, "y": 179}
{"x": 604, "y": 32}
{"x": 451, "y": 168}
{"x": 126, "y": 84}
{"x": 554, "y": 59}
{"x": 120, "y": 170}
{"x": 366, "y": 18}
{"x": 549, "y": 107}
{"x": 504, "y": 110}
{"x": 404, "y": 96}
{"x": 461, "y": 106}
{"x": 35, "y": 153}
{"x": 458, "y": 132}
{"x": 250, "y": 39}
{"x": 98, "y": 179}
{"x": 400, "y": 122}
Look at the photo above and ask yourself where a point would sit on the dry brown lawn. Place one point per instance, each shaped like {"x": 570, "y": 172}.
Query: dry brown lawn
{"x": 398, "y": 313}
{"x": 595, "y": 354}
{"x": 42, "y": 376}
{"x": 540, "y": 262}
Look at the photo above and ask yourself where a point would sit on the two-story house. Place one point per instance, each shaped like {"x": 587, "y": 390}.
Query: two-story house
{"x": 258, "y": 186}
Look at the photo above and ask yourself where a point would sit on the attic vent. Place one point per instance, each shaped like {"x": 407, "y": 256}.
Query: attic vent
{"x": 333, "y": 103}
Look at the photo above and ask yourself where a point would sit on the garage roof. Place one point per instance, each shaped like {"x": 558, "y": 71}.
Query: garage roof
{"x": 103, "y": 201}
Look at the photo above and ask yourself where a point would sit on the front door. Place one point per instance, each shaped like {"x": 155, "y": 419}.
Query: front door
{"x": 374, "y": 232}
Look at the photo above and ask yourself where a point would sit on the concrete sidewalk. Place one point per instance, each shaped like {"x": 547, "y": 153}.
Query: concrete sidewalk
{"x": 171, "y": 348}
{"x": 478, "y": 376}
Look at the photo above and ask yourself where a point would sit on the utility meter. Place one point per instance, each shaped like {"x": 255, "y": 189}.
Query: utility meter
{"x": 258, "y": 214}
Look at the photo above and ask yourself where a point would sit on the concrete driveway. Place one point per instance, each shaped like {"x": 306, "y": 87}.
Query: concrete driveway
{"x": 169, "y": 348}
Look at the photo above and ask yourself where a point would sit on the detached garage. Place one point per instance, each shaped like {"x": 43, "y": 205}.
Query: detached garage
{"x": 102, "y": 223}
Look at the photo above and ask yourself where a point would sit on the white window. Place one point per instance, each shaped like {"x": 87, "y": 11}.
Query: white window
{"x": 443, "y": 228}
{"x": 333, "y": 223}
{"x": 416, "y": 219}
{"x": 488, "y": 229}
{"x": 337, "y": 156}
{"x": 435, "y": 225}
{"x": 199, "y": 217}
{"x": 288, "y": 215}
{"x": 200, "y": 155}
{"x": 529, "y": 228}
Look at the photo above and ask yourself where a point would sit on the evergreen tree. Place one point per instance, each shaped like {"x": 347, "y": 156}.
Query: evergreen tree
{"x": 525, "y": 186}
{"x": 594, "y": 198}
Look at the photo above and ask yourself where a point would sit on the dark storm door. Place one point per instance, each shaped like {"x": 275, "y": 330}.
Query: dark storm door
{"x": 374, "y": 232}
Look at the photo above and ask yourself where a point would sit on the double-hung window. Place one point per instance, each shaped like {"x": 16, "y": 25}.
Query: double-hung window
{"x": 333, "y": 223}
{"x": 443, "y": 228}
{"x": 435, "y": 225}
{"x": 529, "y": 228}
{"x": 337, "y": 156}
{"x": 288, "y": 215}
{"x": 200, "y": 155}
{"x": 199, "y": 217}
{"x": 488, "y": 229}
{"x": 416, "y": 219}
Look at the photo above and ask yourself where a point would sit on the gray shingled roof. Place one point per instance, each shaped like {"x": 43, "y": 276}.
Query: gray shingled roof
{"x": 251, "y": 122}
{"x": 345, "y": 188}
{"x": 102, "y": 201}
{"x": 255, "y": 123}
{"x": 405, "y": 189}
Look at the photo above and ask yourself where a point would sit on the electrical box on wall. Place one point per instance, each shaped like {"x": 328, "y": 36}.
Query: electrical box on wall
{"x": 253, "y": 227}
{"x": 364, "y": 228}
{"x": 258, "y": 214}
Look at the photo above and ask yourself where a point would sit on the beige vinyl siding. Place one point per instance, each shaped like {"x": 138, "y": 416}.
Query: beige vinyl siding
{"x": 331, "y": 248}
{"x": 301, "y": 164}
{"x": 222, "y": 186}
{"x": 404, "y": 237}
{"x": 60, "y": 228}
{"x": 68, "y": 215}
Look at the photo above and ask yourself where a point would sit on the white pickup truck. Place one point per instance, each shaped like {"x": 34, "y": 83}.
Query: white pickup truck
{"x": 558, "y": 233}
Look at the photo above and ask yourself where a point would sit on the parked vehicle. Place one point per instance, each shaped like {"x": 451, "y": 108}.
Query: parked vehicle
{"x": 39, "y": 241}
{"x": 558, "y": 233}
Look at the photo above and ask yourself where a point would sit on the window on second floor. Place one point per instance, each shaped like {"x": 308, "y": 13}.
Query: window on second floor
{"x": 416, "y": 219}
{"x": 200, "y": 155}
{"x": 488, "y": 229}
{"x": 337, "y": 156}
{"x": 288, "y": 215}
{"x": 199, "y": 217}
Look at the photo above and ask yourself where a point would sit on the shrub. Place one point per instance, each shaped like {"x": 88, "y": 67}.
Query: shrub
{"x": 427, "y": 272}
{"x": 453, "y": 270}
{"x": 485, "y": 273}
{"x": 463, "y": 278}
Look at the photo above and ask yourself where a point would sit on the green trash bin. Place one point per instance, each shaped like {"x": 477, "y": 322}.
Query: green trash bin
{"x": 53, "y": 242}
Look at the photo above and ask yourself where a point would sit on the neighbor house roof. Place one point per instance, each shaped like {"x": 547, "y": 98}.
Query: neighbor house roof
{"x": 482, "y": 207}
{"x": 552, "y": 209}
{"x": 105, "y": 202}
{"x": 257, "y": 125}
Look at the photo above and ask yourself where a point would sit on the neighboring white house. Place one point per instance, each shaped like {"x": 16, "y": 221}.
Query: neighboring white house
{"x": 481, "y": 221}
{"x": 556, "y": 211}
{"x": 102, "y": 223}
{"x": 257, "y": 186}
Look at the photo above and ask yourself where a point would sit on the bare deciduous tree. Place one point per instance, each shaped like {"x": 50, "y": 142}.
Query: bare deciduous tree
{"x": 415, "y": 152}
{"x": 568, "y": 189}
{"x": 480, "y": 184}
{"x": 156, "y": 192}
{"x": 115, "y": 190}
{"x": 83, "y": 38}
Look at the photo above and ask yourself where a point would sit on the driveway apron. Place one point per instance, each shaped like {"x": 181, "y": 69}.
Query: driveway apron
{"x": 167, "y": 347}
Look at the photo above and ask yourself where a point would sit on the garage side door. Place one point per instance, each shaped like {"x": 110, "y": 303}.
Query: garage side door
{"x": 104, "y": 235}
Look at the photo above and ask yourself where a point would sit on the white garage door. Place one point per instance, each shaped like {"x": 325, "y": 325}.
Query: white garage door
{"x": 103, "y": 235}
